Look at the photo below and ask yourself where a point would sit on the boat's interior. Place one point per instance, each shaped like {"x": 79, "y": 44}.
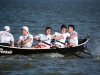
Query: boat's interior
{"x": 80, "y": 41}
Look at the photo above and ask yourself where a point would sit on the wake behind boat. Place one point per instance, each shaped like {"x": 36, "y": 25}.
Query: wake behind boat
{"x": 6, "y": 50}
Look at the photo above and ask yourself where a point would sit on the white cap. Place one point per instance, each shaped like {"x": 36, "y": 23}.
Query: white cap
{"x": 7, "y": 28}
{"x": 25, "y": 28}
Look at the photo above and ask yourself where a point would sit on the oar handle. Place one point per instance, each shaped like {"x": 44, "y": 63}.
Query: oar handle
{"x": 49, "y": 45}
{"x": 46, "y": 43}
{"x": 61, "y": 42}
{"x": 68, "y": 45}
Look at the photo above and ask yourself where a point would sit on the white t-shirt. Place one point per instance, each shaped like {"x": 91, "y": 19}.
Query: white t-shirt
{"x": 23, "y": 38}
{"x": 61, "y": 40}
{"x": 67, "y": 34}
{"x": 75, "y": 39}
{"x": 6, "y": 37}
{"x": 45, "y": 38}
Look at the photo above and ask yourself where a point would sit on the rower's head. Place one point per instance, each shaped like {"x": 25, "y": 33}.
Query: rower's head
{"x": 63, "y": 28}
{"x": 25, "y": 30}
{"x": 7, "y": 28}
{"x": 48, "y": 30}
{"x": 71, "y": 28}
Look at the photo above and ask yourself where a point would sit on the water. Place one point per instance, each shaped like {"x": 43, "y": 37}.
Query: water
{"x": 38, "y": 14}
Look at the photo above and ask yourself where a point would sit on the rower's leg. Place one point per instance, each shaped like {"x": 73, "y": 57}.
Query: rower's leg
{"x": 37, "y": 46}
{"x": 57, "y": 45}
{"x": 24, "y": 47}
{"x": 71, "y": 44}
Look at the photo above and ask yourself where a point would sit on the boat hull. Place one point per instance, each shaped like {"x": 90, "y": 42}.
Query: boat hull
{"x": 5, "y": 50}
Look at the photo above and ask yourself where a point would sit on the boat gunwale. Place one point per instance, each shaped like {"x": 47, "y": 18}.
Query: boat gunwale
{"x": 82, "y": 43}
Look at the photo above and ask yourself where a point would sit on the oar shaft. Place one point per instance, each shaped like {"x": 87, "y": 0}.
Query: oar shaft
{"x": 76, "y": 55}
{"x": 86, "y": 53}
{"x": 60, "y": 42}
{"x": 46, "y": 43}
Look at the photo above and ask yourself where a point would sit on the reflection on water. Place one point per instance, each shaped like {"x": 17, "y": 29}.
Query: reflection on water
{"x": 38, "y": 14}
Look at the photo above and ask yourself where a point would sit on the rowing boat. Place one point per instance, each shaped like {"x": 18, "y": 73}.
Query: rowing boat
{"x": 6, "y": 50}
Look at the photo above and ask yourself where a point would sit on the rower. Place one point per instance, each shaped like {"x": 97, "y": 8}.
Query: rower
{"x": 26, "y": 39}
{"x": 44, "y": 38}
{"x": 61, "y": 37}
{"x": 73, "y": 38}
{"x": 6, "y": 38}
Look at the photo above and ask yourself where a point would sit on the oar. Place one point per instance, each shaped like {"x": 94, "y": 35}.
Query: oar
{"x": 76, "y": 55}
{"x": 85, "y": 52}
{"x": 67, "y": 51}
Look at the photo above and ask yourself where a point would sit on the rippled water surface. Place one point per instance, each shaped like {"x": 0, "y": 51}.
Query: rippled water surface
{"x": 38, "y": 14}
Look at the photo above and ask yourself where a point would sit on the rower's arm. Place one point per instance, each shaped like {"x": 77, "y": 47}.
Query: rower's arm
{"x": 0, "y": 33}
{"x": 52, "y": 37}
{"x": 19, "y": 41}
{"x": 74, "y": 35}
{"x": 59, "y": 37}
{"x": 27, "y": 40}
{"x": 44, "y": 38}
{"x": 12, "y": 43}
{"x": 35, "y": 38}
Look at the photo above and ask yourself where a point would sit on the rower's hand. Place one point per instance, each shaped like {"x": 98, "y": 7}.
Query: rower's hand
{"x": 68, "y": 37}
{"x": 18, "y": 47}
{"x": 36, "y": 38}
{"x": 55, "y": 38}
{"x": 23, "y": 42}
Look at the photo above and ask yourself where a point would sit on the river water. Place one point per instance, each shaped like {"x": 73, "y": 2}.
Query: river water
{"x": 38, "y": 14}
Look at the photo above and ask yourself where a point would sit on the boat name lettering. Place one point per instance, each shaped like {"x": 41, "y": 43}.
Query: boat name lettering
{"x": 5, "y": 51}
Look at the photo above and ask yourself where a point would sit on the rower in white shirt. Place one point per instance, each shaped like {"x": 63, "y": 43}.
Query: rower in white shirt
{"x": 61, "y": 37}
{"x": 6, "y": 37}
{"x": 26, "y": 39}
{"x": 73, "y": 38}
{"x": 44, "y": 38}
